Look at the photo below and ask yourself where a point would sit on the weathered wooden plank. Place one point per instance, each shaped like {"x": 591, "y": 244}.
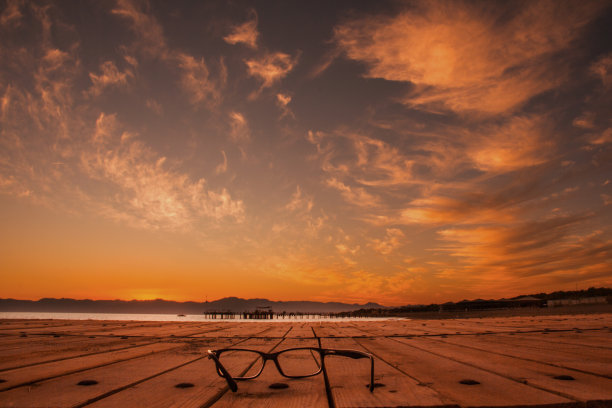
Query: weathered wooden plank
{"x": 160, "y": 329}
{"x": 545, "y": 322}
{"x": 79, "y": 327}
{"x": 402, "y": 328}
{"x": 349, "y": 380}
{"x": 591, "y": 360}
{"x": 301, "y": 330}
{"x": 27, "y": 375}
{"x": 109, "y": 378}
{"x": 14, "y": 344}
{"x": 417, "y": 328}
{"x": 38, "y": 354}
{"x": 463, "y": 384}
{"x": 584, "y": 387}
{"x": 276, "y": 329}
{"x": 234, "y": 329}
{"x": 599, "y": 338}
{"x": 9, "y": 325}
{"x": 338, "y": 329}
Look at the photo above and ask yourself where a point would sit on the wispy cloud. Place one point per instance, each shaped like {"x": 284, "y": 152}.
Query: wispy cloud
{"x": 61, "y": 159}
{"x": 239, "y": 128}
{"x": 354, "y": 195}
{"x": 546, "y": 250}
{"x": 222, "y": 167}
{"x": 392, "y": 240}
{"x": 109, "y": 76}
{"x": 271, "y": 67}
{"x": 519, "y": 143}
{"x": 149, "y": 33}
{"x": 149, "y": 194}
{"x": 245, "y": 33}
{"x": 602, "y": 138}
{"x": 462, "y": 57}
{"x": 154, "y": 106}
{"x": 603, "y": 69}
{"x": 11, "y": 15}
{"x": 196, "y": 80}
{"x": 283, "y": 101}
{"x": 299, "y": 201}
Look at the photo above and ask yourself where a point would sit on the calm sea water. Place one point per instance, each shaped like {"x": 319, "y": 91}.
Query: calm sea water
{"x": 171, "y": 317}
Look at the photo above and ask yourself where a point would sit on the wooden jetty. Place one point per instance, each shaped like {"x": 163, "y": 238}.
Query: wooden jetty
{"x": 541, "y": 361}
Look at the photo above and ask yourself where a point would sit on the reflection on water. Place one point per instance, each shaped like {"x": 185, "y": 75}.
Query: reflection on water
{"x": 173, "y": 317}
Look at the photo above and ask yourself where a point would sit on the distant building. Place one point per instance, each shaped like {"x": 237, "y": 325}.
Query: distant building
{"x": 480, "y": 304}
{"x": 578, "y": 301}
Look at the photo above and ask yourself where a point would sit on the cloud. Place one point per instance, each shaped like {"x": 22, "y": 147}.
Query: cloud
{"x": 110, "y": 76}
{"x": 154, "y": 106}
{"x": 585, "y": 121}
{"x": 540, "y": 250}
{"x": 245, "y": 33}
{"x": 368, "y": 161}
{"x": 602, "y": 138}
{"x": 150, "y": 34}
{"x": 60, "y": 159}
{"x": 388, "y": 244}
{"x": 466, "y": 58}
{"x": 518, "y": 143}
{"x": 476, "y": 202}
{"x": 239, "y": 128}
{"x": 283, "y": 101}
{"x": 11, "y": 16}
{"x": 603, "y": 69}
{"x": 299, "y": 202}
{"x": 222, "y": 167}
{"x": 147, "y": 193}
{"x": 354, "y": 195}
{"x": 196, "y": 81}
{"x": 270, "y": 68}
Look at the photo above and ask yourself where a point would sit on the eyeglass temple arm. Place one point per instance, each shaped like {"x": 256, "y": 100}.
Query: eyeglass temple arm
{"x": 356, "y": 355}
{"x": 230, "y": 381}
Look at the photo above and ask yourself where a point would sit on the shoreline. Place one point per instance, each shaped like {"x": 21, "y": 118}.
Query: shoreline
{"x": 570, "y": 310}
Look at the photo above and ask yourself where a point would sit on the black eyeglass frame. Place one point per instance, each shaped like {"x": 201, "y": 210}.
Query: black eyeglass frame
{"x": 231, "y": 381}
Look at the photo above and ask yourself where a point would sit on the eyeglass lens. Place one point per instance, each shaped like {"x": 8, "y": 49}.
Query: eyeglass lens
{"x": 242, "y": 364}
{"x": 296, "y": 363}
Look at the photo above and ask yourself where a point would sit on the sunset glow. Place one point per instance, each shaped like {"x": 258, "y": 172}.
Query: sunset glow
{"x": 394, "y": 152}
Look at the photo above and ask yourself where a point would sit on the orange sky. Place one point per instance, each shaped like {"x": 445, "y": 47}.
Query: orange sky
{"x": 399, "y": 153}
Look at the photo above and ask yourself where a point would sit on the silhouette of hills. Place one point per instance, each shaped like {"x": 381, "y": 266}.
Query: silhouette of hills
{"x": 161, "y": 306}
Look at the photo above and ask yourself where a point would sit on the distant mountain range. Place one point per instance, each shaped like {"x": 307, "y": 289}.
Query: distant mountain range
{"x": 157, "y": 306}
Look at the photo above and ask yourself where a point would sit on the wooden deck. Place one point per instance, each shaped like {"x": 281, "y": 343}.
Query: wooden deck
{"x": 515, "y": 361}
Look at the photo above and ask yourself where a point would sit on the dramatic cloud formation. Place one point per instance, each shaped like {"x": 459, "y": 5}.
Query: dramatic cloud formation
{"x": 426, "y": 152}
{"x": 148, "y": 193}
{"x": 463, "y": 57}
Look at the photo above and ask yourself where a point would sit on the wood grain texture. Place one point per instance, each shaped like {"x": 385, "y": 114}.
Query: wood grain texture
{"x": 525, "y": 361}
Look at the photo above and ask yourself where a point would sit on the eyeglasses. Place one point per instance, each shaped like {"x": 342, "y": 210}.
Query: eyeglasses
{"x": 300, "y": 362}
